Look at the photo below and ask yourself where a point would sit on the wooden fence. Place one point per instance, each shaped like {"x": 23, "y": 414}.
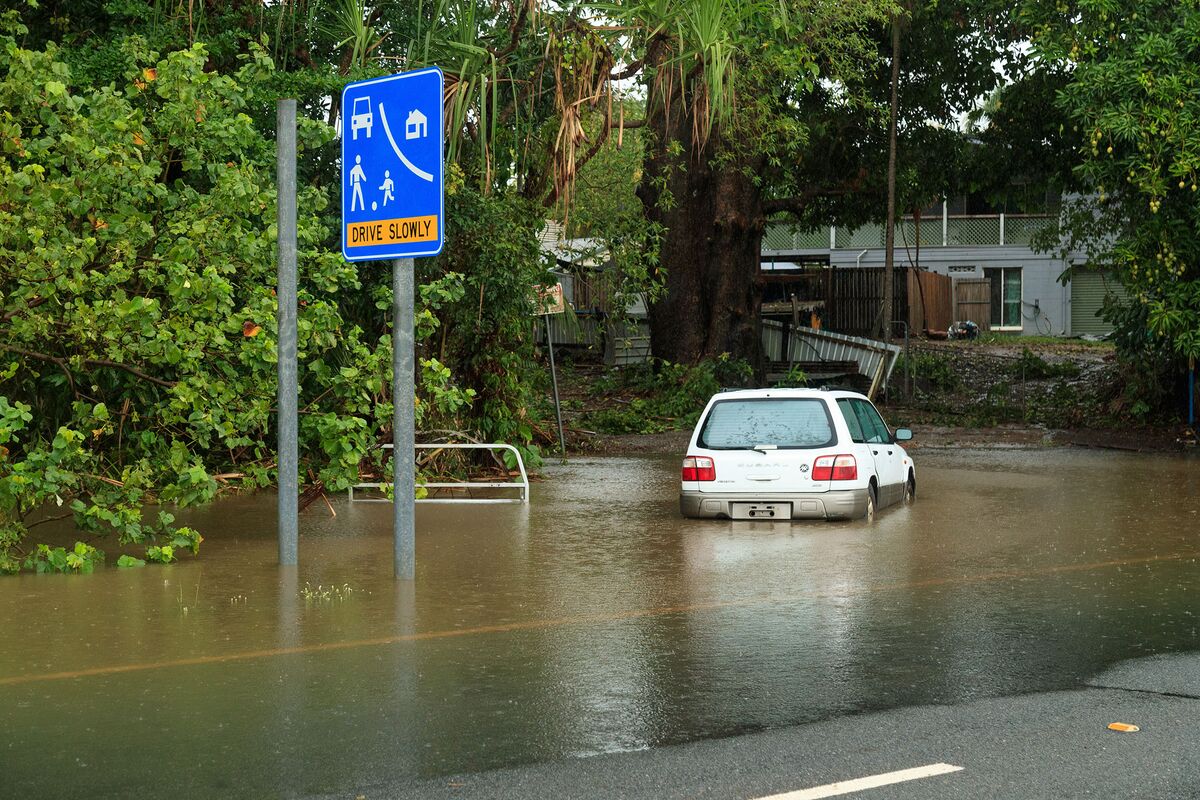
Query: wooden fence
{"x": 973, "y": 301}
{"x": 930, "y": 306}
{"x": 920, "y": 298}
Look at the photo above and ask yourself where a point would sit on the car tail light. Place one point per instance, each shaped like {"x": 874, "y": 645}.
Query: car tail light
{"x": 699, "y": 468}
{"x": 835, "y": 468}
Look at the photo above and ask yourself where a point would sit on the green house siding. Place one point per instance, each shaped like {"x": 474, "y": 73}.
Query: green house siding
{"x": 1088, "y": 290}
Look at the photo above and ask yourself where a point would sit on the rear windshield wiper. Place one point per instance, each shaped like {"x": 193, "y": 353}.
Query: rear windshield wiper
{"x": 763, "y": 448}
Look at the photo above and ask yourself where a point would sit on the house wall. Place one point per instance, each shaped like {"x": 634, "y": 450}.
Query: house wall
{"x": 1046, "y": 303}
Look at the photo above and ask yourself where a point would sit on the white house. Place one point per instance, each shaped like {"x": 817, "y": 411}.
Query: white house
{"x": 1031, "y": 291}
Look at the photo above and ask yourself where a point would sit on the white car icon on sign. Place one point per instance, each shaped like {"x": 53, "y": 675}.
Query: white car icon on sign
{"x": 360, "y": 117}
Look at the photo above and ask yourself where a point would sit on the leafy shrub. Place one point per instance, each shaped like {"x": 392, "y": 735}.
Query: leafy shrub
{"x": 672, "y": 395}
{"x": 795, "y": 377}
{"x": 137, "y": 256}
{"x": 937, "y": 372}
{"x": 1030, "y": 366}
{"x": 82, "y": 558}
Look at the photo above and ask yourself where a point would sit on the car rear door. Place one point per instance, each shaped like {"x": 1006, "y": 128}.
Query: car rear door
{"x": 766, "y": 445}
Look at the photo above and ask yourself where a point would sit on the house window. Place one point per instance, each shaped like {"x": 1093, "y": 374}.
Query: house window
{"x": 1006, "y": 296}
{"x": 960, "y": 268}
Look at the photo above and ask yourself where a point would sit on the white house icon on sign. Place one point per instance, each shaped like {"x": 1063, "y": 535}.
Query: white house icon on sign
{"x": 416, "y": 126}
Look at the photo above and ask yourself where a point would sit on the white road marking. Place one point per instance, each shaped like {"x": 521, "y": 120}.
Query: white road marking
{"x": 859, "y": 784}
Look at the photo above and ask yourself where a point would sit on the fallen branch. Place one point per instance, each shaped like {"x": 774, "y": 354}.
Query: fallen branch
{"x": 109, "y": 481}
{"x": 99, "y": 362}
{"x": 33, "y": 525}
{"x": 33, "y": 303}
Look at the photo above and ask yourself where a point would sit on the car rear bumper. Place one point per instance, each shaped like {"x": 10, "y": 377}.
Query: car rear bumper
{"x": 844, "y": 504}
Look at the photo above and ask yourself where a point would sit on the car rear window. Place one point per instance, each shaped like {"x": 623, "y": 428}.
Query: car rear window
{"x": 791, "y": 422}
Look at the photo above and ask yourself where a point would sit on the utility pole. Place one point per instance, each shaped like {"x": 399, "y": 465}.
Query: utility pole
{"x": 889, "y": 255}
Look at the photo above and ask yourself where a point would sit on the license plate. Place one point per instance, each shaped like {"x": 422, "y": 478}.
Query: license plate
{"x": 762, "y": 511}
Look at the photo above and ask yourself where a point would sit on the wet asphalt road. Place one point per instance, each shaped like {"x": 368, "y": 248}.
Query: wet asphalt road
{"x": 595, "y": 632}
{"x": 1043, "y": 746}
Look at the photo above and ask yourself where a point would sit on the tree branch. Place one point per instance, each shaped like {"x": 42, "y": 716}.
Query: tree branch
{"x": 579, "y": 163}
{"x": 628, "y": 72}
{"x": 798, "y": 204}
{"x": 34, "y": 303}
{"x": 62, "y": 364}
{"x": 515, "y": 29}
{"x": 33, "y": 525}
{"x": 99, "y": 362}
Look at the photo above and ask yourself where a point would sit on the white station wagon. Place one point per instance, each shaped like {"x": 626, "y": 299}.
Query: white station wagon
{"x": 794, "y": 454}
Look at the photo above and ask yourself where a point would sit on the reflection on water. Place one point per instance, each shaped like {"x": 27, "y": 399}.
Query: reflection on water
{"x": 594, "y": 620}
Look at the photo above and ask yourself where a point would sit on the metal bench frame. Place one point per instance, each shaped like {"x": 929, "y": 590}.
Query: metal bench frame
{"x": 522, "y": 485}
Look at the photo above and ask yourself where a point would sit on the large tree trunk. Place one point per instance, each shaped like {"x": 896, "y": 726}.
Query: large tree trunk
{"x": 713, "y": 224}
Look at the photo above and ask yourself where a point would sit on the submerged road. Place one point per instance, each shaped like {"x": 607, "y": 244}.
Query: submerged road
{"x": 595, "y": 644}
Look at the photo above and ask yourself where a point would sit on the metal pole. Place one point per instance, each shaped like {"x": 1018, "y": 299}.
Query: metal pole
{"x": 1191, "y": 392}
{"x": 285, "y": 295}
{"x": 403, "y": 392}
{"x": 562, "y": 442}
{"x": 907, "y": 361}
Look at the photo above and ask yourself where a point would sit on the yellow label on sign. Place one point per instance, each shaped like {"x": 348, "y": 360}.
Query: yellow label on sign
{"x": 392, "y": 231}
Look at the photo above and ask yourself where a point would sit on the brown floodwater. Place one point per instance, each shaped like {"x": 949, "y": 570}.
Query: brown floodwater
{"x": 594, "y": 620}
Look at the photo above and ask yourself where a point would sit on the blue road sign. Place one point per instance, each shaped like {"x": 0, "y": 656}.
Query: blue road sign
{"x": 392, "y": 200}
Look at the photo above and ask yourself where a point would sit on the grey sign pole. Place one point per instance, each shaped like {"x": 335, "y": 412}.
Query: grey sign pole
{"x": 562, "y": 442}
{"x": 396, "y": 220}
{"x": 403, "y": 392}
{"x": 285, "y": 294}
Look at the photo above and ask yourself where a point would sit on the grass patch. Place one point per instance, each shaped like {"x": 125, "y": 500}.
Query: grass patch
{"x": 1012, "y": 339}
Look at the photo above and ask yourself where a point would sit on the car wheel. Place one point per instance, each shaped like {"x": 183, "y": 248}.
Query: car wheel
{"x": 871, "y": 504}
{"x": 910, "y": 491}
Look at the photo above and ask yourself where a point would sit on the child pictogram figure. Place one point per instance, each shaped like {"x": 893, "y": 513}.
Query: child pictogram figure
{"x": 388, "y": 187}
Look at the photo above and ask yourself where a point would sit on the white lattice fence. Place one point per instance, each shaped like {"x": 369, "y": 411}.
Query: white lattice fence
{"x": 1021, "y": 230}
{"x": 973, "y": 231}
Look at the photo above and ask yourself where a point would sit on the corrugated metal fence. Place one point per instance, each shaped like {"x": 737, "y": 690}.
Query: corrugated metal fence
{"x": 621, "y": 342}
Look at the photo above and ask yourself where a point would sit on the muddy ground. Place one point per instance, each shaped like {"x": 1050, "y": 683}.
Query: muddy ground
{"x": 1017, "y": 394}
{"x": 936, "y": 436}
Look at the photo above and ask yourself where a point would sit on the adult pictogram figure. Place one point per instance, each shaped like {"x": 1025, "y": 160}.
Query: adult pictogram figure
{"x": 357, "y": 176}
{"x": 388, "y": 187}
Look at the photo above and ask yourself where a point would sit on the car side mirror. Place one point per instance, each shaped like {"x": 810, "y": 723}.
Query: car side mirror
{"x": 903, "y": 434}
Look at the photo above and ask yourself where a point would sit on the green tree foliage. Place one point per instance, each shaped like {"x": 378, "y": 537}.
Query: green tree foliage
{"x": 487, "y": 333}
{"x": 1132, "y": 98}
{"x": 136, "y": 266}
{"x": 137, "y": 256}
{"x": 952, "y": 55}
{"x": 1020, "y": 160}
